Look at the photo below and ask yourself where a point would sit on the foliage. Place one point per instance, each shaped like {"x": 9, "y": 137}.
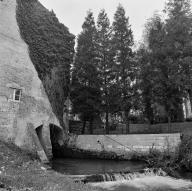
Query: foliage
{"x": 173, "y": 162}
{"x": 185, "y": 153}
{"x": 178, "y": 47}
{"x": 51, "y": 49}
{"x": 105, "y": 65}
{"x": 122, "y": 41}
{"x": 85, "y": 78}
{"x": 146, "y": 82}
{"x": 165, "y": 62}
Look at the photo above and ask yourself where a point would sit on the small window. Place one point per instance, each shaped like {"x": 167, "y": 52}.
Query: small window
{"x": 17, "y": 95}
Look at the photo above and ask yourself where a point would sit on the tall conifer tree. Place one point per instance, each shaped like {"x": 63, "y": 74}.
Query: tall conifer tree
{"x": 178, "y": 48}
{"x": 104, "y": 62}
{"x": 122, "y": 40}
{"x": 169, "y": 51}
{"x": 179, "y": 42}
{"x": 86, "y": 84}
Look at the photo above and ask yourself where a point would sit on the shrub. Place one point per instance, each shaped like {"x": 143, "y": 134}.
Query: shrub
{"x": 172, "y": 162}
{"x": 185, "y": 153}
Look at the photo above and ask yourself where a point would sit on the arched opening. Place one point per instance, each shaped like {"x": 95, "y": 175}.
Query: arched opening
{"x": 56, "y": 136}
{"x": 40, "y": 144}
{"x": 40, "y": 136}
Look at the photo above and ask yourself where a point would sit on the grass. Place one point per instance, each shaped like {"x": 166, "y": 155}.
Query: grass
{"x": 20, "y": 170}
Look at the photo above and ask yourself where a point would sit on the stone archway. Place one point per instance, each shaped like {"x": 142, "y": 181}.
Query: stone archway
{"x": 38, "y": 141}
{"x": 57, "y": 138}
{"x": 39, "y": 132}
{"x": 41, "y": 138}
{"x": 47, "y": 137}
{"x": 44, "y": 139}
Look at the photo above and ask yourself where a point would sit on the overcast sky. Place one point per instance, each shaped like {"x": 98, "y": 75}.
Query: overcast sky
{"x": 72, "y": 12}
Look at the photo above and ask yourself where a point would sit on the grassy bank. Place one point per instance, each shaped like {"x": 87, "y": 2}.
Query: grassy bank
{"x": 19, "y": 170}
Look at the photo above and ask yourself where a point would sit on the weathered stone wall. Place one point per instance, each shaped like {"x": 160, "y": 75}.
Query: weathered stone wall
{"x": 121, "y": 144}
{"x": 18, "y": 72}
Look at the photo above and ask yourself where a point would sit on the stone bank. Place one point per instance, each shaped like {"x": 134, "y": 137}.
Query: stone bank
{"x": 25, "y": 112}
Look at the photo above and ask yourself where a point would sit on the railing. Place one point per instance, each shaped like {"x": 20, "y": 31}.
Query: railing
{"x": 125, "y": 146}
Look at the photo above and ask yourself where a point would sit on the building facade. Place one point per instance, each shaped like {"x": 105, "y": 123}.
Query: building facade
{"x": 25, "y": 111}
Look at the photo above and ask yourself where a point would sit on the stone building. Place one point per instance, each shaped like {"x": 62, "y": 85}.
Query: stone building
{"x": 25, "y": 112}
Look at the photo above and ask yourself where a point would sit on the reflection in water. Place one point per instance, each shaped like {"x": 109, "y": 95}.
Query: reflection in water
{"x": 156, "y": 183}
{"x": 86, "y": 166}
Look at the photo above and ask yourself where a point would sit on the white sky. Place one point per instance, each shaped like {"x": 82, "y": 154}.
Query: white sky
{"x": 73, "y": 12}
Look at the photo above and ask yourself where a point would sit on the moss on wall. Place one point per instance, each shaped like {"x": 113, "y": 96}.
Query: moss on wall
{"x": 51, "y": 49}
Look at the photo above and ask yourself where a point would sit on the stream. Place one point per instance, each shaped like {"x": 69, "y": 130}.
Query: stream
{"x": 109, "y": 175}
{"x": 87, "y": 166}
{"x": 148, "y": 183}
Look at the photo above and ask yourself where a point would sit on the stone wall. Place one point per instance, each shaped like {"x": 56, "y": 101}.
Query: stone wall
{"x": 121, "y": 144}
{"x": 18, "y": 73}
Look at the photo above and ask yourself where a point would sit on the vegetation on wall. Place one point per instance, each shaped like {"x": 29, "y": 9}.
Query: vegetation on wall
{"x": 51, "y": 49}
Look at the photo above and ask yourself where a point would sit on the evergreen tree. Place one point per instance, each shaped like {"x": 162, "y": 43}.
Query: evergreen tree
{"x": 176, "y": 66}
{"x": 154, "y": 68}
{"x": 122, "y": 40}
{"x": 179, "y": 42}
{"x": 169, "y": 53}
{"x": 86, "y": 84}
{"x": 104, "y": 63}
{"x": 146, "y": 82}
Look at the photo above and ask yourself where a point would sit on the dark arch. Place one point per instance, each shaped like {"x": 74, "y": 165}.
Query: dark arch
{"x": 56, "y": 136}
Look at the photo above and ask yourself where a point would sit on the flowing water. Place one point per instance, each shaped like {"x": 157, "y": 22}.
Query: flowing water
{"x": 87, "y": 166}
{"x": 107, "y": 175}
{"x": 148, "y": 183}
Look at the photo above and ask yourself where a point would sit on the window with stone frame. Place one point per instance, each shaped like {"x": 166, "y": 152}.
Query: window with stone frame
{"x": 17, "y": 94}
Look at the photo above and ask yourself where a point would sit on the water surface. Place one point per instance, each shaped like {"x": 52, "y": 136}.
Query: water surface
{"x": 87, "y": 166}
{"x": 144, "y": 183}
{"x": 151, "y": 183}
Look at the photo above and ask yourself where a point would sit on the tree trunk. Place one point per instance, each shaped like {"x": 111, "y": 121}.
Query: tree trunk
{"x": 149, "y": 111}
{"x": 127, "y": 121}
{"x": 190, "y": 97}
{"x": 169, "y": 123}
{"x": 83, "y": 129}
{"x": 127, "y": 127}
{"x": 91, "y": 127}
{"x": 107, "y": 122}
